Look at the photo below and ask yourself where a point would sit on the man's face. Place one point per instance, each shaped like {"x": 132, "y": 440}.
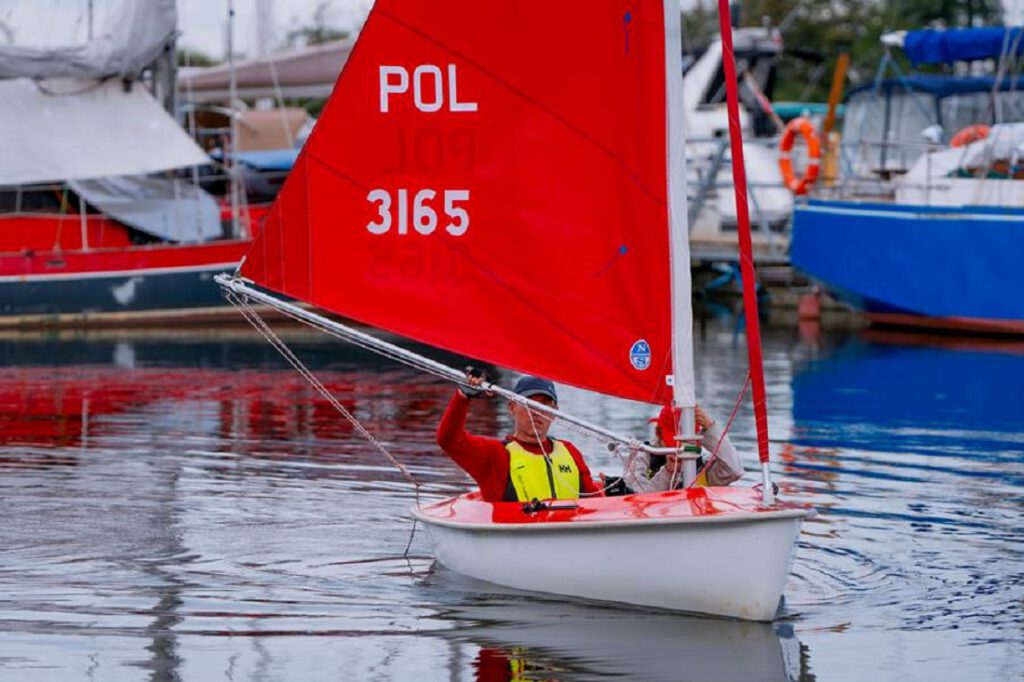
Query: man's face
{"x": 524, "y": 416}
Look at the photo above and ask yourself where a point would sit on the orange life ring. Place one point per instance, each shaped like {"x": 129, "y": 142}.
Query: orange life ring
{"x": 970, "y": 134}
{"x": 806, "y": 129}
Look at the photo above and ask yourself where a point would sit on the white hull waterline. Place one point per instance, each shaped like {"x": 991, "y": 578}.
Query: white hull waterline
{"x": 711, "y": 551}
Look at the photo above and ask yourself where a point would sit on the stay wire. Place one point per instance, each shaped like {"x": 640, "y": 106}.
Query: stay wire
{"x": 725, "y": 429}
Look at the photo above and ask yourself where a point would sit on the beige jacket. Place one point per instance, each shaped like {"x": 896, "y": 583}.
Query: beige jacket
{"x": 724, "y": 470}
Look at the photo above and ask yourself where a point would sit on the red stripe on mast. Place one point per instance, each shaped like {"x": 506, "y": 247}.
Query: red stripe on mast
{"x": 739, "y": 178}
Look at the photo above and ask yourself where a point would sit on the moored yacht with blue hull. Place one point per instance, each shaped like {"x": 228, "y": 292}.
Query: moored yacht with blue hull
{"x": 925, "y": 226}
{"x": 934, "y": 266}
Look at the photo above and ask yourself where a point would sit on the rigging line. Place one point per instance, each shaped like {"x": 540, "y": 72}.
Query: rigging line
{"x": 260, "y": 325}
{"x": 402, "y": 355}
{"x": 558, "y": 474}
{"x": 250, "y": 314}
{"x": 725, "y": 430}
{"x": 311, "y": 378}
{"x": 633, "y": 448}
{"x": 383, "y": 351}
{"x": 412, "y": 534}
{"x": 279, "y": 344}
{"x": 551, "y": 465}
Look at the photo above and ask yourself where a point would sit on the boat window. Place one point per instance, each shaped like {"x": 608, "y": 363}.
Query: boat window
{"x": 960, "y": 111}
{"x": 872, "y": 148}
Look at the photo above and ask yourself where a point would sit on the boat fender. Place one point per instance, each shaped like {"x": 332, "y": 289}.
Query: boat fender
{"x": 805, "y": 128}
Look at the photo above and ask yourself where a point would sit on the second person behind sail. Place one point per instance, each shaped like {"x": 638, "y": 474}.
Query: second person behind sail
{"x": 525, "y": 466}
{"x": 645, "y": 473}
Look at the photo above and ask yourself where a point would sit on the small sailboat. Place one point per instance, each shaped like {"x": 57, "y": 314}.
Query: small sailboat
{"x": 525, "y": 206}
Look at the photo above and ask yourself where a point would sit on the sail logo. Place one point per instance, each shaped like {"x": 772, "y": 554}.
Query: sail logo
{"x": 428, "y": 88}
{"x": 640, "y": 355}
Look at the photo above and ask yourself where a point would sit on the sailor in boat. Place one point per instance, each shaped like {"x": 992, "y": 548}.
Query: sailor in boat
{"x": 719, "y": 466}
{"x": 526, "y": 466}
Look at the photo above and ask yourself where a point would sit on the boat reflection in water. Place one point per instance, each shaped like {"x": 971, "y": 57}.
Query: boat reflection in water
{"x": 60, "y": 395}
{"x": 190, "y": 508}
{"x": 534, "y": 638}
{"x": 911, "y": 448}
{"x": 912, "y": 393}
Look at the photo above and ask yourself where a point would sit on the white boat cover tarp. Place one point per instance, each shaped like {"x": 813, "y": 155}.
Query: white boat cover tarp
{"x": 133, "y": 37}
{"x": 92, "y": 130}
{"x": 171, "y": 209}
{"x": 931, "y": 180}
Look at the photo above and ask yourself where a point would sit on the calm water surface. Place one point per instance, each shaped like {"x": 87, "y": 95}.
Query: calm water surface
{"x": 184, "y": 507}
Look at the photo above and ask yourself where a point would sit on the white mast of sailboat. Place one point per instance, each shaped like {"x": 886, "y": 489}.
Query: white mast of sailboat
{"x": 679, "y": 246}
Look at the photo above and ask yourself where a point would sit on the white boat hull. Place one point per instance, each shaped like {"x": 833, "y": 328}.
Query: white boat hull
{"x": 732, "y": 565}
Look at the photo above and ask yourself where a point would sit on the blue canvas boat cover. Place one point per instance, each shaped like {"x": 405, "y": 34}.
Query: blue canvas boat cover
{"x": 961, "y": 44}
{"x": 939, "y": 85}
{"x": 264, "y": 159}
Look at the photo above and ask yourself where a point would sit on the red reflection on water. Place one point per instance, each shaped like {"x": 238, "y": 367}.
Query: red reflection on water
{"x": 69, "y": 406}
{"x": 496, "y": 665}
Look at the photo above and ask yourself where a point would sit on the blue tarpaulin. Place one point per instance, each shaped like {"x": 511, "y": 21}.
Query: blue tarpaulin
{"x": 265, "y": 160}
{"x": 961, "y": 44}
{"x": 939, "y": 85}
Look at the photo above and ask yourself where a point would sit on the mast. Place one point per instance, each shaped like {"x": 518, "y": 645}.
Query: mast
{"x": 264, "y": 27}
{"x": 232, "y": 154}
{"x": 739, "y": 178}
{"x": 679, "y": 247}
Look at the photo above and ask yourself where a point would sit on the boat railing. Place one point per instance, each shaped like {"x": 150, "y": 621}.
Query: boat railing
{"x": 709, "y": 175}
{"x": 32, "y": 199}
{"x": 873, "y": 168}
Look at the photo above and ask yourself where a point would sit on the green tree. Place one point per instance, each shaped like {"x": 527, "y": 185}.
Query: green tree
{"x": 317, "y": 32}
{"x": 854, "y": 26}
{"x": 188, "y": 57}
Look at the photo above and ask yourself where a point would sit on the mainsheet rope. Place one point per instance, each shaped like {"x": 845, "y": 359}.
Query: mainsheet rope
{"x": 256, "y": 321}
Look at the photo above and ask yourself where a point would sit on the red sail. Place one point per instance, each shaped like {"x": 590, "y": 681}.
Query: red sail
{"x": 493, "y": 183}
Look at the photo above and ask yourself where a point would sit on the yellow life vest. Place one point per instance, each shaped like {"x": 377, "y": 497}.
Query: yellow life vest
{"x": 533, "y": 477}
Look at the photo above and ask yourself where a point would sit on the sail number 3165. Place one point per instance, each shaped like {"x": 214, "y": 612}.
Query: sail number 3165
{"x": 420, "y": 214}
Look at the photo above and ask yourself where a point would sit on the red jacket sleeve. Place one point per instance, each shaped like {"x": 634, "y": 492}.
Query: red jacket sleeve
{"x": 485, "y": 459}
{"x": 586, "y": 480}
